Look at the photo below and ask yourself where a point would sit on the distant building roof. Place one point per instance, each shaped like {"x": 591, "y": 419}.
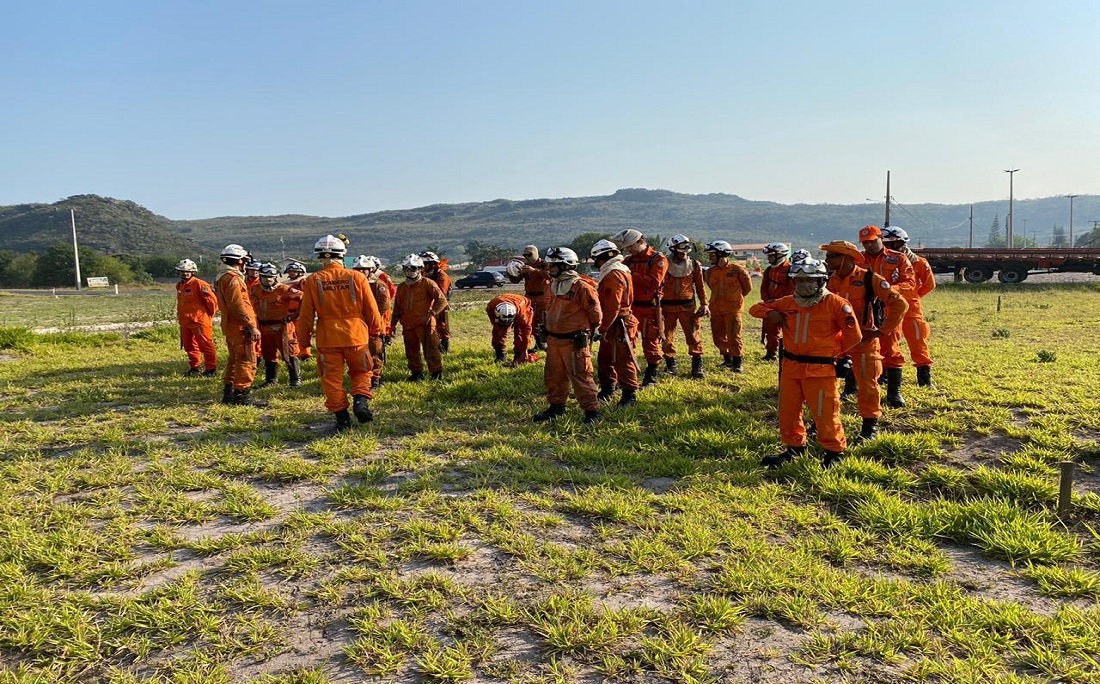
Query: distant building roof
{"x": 748, "y": 248}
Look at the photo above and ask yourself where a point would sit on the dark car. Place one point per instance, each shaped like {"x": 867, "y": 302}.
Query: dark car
{"x": 480, "y": 279}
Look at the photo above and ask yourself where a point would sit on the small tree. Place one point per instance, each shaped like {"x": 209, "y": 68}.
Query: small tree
{"x": 19, "y": 272}
{"x": 480, "y": 252}
{"x": 1059, "y": 237}
{"x": 996, "y": 237}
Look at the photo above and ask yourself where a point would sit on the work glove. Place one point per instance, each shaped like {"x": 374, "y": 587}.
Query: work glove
{"x": 387, "y": 340}
{"x": 597, "y": 336}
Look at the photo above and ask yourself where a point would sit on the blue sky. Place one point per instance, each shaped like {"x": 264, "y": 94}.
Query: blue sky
{"x": 201, "y": 108}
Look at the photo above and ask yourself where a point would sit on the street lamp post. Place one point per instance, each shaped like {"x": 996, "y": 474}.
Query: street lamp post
{"x": 1071, "y": 219}
{"x": 1011, "y": 216}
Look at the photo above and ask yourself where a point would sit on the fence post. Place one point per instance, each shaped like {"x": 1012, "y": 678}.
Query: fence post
{"x": 1065, "y": 487}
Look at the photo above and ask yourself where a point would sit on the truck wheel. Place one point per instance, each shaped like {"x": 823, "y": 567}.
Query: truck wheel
{"x": 1010, "y": 275}
{"x": 979, "y": 273}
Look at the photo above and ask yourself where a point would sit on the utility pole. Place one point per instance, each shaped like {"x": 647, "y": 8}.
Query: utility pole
{"x": 887, "y": 224}
{"x": 76, "y": 253}
{"x": 1011, "y": 217}
{"x": 1071, "y": 219}
{"x": 970, "y": 242}
{"x": 282, "y": 243}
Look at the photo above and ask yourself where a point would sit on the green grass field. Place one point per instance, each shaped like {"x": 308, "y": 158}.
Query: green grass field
{"x": 148, "y": 534}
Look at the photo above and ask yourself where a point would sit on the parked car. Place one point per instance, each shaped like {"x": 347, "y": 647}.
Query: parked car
{"x": 480, "y": 279}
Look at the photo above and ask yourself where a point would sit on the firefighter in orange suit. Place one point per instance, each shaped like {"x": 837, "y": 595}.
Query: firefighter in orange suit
{"x": 371, "y": 268}
{"x": 818, "y": 327}
{"x": 729, "y": 284}
{"x": 436, "y": 270}
{"x": 572, "y": 322}
{"x": 774, "y": 284}
{"x": 531, "y": 270}
{"x": 915, "y": 327}
{"x": 683, "y": 302}
{"x": 894, "y": 267}
{"x": 274, "y": 303}
{"x": 296, "y": 275}
{"x": 511, "y": 312}
{"x": 239, "y": 327}
{"x": 347, "y": 318}
{"x": 251, "y": 272}
{"x": 618, "y": 329}
{"x": 196, "y": 305}
{"x": 864, "y": 291}
{"x": 647, "y": 270}
{"x": 416, "y": 305}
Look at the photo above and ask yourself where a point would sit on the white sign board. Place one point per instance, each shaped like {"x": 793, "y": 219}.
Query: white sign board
{"x": 99, "y": 282}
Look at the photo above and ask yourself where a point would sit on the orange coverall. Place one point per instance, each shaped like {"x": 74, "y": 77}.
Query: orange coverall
{"x": 237, "y": 318}
{"x": 678, "y": 306}
{"x": 385, "y": 278}
{"x": 895, "y": 269}
{"x": 821, "y": 332}
{"x": 383, "y": 297}
{"x": 521, "y": 327}
{"x": 303, "y": 352}
{"x": 619, "y": 328}
{"x": 729, "y": 284}
{"x": 415, "y": 308}
{"x": 775, "y": 284}
{"x": 536, "y": 284}
{"x": 866, "y": 360}
{"x": 578, "y": 310}
{"x": 648, "y": 271}
{"x": 272, "y": 311}
{"x": 346, "y": 318}
{"x": 196, "y": 305}
{"x": 443, "y": 325}
{"x": 915, "y": 328}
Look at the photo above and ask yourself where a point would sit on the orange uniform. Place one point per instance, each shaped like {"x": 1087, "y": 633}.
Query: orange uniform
{"x": 303, "y": 351}
{"x": 273, "y": 309}
{"x": 386, "y": 280}
{"x": 536, "y": 285}
{"x": 615, "y": 360}
{"x": 683, "y": 296}
{"x": 521, "y": 327}
{"x": 575, "y": 310}
{"x": 894, "y": 267}
{"x": 866, "y": 360}
{"x": 347, "y": 317}
{"x": 383, "y": 297}
{"x": 775, "y": 284}
{"x": 648, "y": 271}
{"x": 916, "y": 328}
{"x": 443, "y": 325}
{"x": 415, "y": 308}
{"x": 196, "y": 305}
{"x": 813, "y": 337}
{"x": 729, "y": 285}
{"x": 238, "y": 324}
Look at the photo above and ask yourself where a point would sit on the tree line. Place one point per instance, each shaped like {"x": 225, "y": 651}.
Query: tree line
{"x": 56, "y": 268}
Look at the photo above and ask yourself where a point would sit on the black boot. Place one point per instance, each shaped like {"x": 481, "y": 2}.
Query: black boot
{"x": 193, "y": 372}
{"x": 893, "y": 388}
{"x": 361, "y": 409}
{"x": 868, "y": 431}
{"x": 498, "y": 356}
{"x": 769, "y": 356}
{"x": 416, "y": 376}
{"x": 735, "y": 364}
{"x": 697, "y": 367}
{"x": 629, "y": 397}
{"x": 227, "y": 394}
{"x": 924, "y": 376}
{"x": 343, "y": 420}
{"x": 811, "y": 429}
{"x": 271, "y": 373}
{"x": 670, "y": 366}
{"x": 294, "y": 369}
{"x": 851, "y": 388}
{"x": 650, "y": 375}
{"x": 209, "y": 372}
{"x": 607, "y": 389}
{"x": 445, "y": 346}
{"x": 438, "y": 375}
{"x": 591, "y": 417}
{"x": 376, "y": 382}
{"x": 727, "y": 361}
{"x": 244, "y": 398}
{"x": 830, "y": 457}
{"x": 789, "y": 454}
{"x": 552, "y": 412}
{"x": 882, "y": 377}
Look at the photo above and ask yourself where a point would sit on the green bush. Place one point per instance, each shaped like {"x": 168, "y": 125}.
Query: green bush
{"x": 16, "y": 338}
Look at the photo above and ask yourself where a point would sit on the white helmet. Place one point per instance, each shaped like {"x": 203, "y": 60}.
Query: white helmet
{"x": 293, "y": 267}
{"x": 679, "y": 242}
{"x": 187, "y": 265}
{"x": 429, "y": 257}
{"x": 513, "y": 268}
{"x": 234, "y": 252}
{"x": 505, "y": 313}
{"x": 330, "y": 247}
{"x": 777, "y": 248}
{"x": 809, "y": 267}
{"x": 625, "y": 238}
{"x": 563, "y": 256}
{"x": 894, "y": 234}
{"x": 412, "y": 261}
{"x": 363, "y": 261}
{"x": 604, "y": 248}
{"x": 799, "y": 255}
{"x": 720, "y": 246}
{"x": 269, "y": 270}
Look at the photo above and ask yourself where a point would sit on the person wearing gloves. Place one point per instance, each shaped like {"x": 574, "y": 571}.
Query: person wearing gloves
{"x": 417, "y": 303}
{"x": 239, "y": 327}
{"x": 196, "y": 305}
{"x": 618, "y": 330}
{"x": 647, "y": 269}
{"x": 683, "y": 303}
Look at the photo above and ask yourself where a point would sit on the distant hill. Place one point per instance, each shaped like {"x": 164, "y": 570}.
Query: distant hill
{"x": 116, "y": 226}
{"x": 109, "y": 225}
